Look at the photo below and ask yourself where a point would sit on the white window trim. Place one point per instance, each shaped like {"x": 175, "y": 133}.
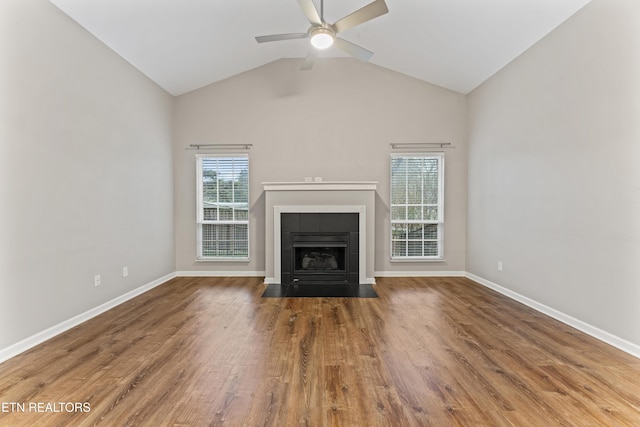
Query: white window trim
{"x": 199, "y": 212}
{"x": 439, "y": 221}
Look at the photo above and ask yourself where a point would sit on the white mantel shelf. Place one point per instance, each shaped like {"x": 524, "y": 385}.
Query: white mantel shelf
{"x": 321, "y": 186}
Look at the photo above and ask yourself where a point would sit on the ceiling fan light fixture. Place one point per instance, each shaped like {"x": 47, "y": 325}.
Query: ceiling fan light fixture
{"x": 321, "y": 37}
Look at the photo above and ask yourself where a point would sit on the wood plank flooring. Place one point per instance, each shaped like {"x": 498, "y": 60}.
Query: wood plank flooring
{"x": 427, "y": 352}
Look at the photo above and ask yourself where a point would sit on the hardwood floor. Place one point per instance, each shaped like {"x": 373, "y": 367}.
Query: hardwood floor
{"x": 428, "y": 351}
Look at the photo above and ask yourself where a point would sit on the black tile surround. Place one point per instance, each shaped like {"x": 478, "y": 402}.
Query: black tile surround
{"x": 322, "y": 224}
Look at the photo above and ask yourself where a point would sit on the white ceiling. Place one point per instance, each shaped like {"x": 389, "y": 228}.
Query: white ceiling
{"x": 183, "y": 45}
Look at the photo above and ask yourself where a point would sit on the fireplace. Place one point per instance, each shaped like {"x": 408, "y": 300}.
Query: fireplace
{"x": 325, "y": 197}
{"x": 319, "y": 248}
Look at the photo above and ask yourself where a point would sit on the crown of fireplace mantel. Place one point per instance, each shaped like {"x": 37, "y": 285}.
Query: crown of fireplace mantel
{"x": 321, "y": 186}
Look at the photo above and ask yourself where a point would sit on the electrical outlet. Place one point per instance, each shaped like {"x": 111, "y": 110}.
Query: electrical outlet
{"x": 499, "y": 265}
{"x": 125, "y": 271}
{"x": 97, "y": 280}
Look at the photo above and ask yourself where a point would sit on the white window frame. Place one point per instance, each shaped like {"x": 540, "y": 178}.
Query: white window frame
{"x": 439, "y": 221}
{"x": 200, "y": 220}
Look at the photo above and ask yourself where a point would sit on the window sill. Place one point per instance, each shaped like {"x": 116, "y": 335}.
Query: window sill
{"x": 417, "y": 260}
{"x": 222, "y": 260}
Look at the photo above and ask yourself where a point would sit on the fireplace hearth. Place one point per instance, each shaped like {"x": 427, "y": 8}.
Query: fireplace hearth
{"x": 319, "y": 248}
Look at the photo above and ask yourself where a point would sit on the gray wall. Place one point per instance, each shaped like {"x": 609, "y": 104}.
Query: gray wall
{"x": 335, "y": 122}
{"x": 85, "y": 172}
{"x": 554, "y": 176}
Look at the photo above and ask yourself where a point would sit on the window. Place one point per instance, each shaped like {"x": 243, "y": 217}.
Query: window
{"x": 223, "y": 207}
{"x": 417, "y": 215}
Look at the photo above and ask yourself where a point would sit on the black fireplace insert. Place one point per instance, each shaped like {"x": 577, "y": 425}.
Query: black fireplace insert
{"x": 320, "y": 257}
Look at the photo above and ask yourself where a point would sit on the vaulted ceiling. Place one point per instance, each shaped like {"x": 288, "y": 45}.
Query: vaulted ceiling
{"x": 183, "y": 45}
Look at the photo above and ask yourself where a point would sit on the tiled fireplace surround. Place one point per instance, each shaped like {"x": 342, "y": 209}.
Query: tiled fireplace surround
{"x": 320, "y": 197}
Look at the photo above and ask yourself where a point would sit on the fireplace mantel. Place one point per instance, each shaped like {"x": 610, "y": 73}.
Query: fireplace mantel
{"x": 320, "y": 197}
{"x": 321, "y": 186}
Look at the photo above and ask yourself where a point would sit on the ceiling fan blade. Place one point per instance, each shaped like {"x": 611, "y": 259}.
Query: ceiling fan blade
{"x": 309, "y": 60}
{"x": 278, "y": 37}
{"x": 367, "y": 13}
{"x": 310, "y": 11}
{"x": 353, "y": 49}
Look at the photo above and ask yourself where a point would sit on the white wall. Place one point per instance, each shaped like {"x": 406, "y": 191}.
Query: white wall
{"x": 554, "y": 171}
{"x": 334, "y": 122}
{"x": 85, "y": 172}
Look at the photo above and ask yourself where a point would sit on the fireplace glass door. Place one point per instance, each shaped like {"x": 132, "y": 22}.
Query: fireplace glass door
{"x": 320, "y": 257}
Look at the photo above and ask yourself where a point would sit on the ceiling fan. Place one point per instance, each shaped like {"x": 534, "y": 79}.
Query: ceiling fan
{"x": 323, "y": 35}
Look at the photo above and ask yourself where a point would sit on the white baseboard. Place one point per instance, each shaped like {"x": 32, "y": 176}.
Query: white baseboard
{"x": 40, "y": 337}
{"x": 215, "y": 273}
{"x": 621, "y": 344}
{"x": 419, "y": 273}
